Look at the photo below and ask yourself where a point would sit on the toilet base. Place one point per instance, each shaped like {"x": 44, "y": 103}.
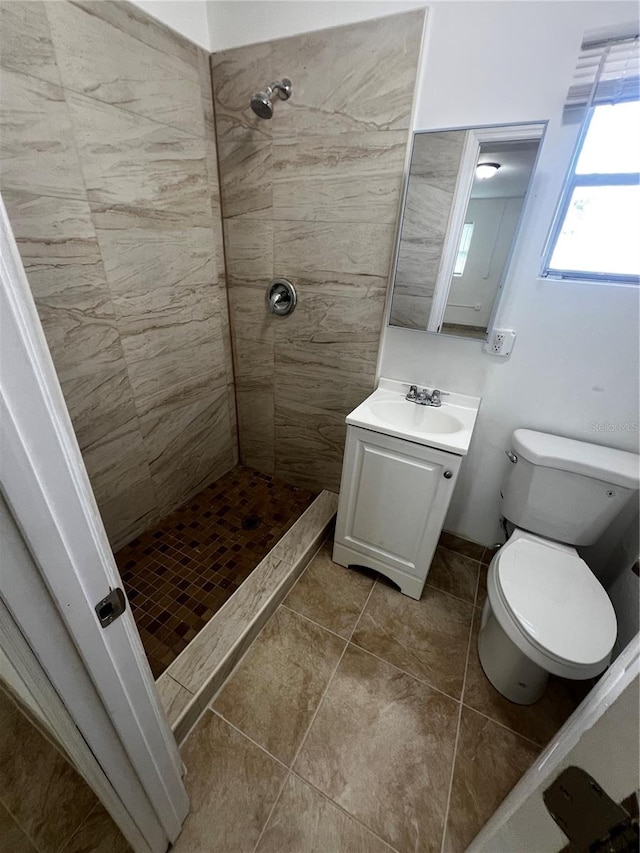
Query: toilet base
{"x": 511, "y": 672}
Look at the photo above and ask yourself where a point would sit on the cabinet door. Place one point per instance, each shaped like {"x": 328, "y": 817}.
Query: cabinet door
{"x": 393, "y": 499}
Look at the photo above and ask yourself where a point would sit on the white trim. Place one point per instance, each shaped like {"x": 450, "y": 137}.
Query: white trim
{"x": 46, "y": 485}
{"x": 453, "y": 235}
{"x": 476, "y": 136}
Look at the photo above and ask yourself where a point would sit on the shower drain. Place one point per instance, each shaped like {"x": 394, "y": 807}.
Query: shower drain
{"x": 250, "y": 522}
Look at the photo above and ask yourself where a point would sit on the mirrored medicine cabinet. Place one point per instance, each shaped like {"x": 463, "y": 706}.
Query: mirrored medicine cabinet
{"x": 463, "y": 204}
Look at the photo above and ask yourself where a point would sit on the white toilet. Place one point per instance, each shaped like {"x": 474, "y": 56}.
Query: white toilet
{"x": 546, "y": 612}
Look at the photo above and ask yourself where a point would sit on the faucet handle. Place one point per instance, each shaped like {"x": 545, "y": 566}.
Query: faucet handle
{"x": 435, "y": 396}
{"x": 413, "y": 392}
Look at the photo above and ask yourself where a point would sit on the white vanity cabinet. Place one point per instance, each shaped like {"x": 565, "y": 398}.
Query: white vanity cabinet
{"x": 394, "y": 497}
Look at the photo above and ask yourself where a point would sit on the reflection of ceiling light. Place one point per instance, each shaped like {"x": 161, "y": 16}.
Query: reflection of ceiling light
{"x": 486, "y": 170}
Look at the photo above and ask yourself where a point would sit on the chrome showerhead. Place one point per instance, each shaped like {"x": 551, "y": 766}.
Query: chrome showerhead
{"x": 261, "y": 105}
{"x": 261, "y": 102}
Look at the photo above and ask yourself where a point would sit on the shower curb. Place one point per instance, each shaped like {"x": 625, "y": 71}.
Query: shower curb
{"x": 191, "y": 681}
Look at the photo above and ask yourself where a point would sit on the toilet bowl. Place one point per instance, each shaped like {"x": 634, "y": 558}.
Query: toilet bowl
{"x": 546, "y": 612}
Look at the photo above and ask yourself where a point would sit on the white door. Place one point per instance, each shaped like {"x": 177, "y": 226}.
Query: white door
{"x": 100, "y": 672}
{"x": 600, "y": 739}
{"x": 394, "y": 496}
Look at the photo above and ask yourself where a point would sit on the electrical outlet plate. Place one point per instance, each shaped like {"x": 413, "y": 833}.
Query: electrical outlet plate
{"x": 500, "y": 342}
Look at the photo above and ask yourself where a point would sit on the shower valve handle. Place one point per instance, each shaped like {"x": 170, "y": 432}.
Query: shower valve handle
{"x": 281, "y": 297}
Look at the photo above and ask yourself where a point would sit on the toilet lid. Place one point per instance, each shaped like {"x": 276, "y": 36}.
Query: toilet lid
{"x": 557, "y": 600}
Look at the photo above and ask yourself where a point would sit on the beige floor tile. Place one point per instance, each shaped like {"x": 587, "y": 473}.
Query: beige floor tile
{"x": 12, "y": 838}
{"x": 489, "y": 762}
{"x": 381, "y": 747}
{"x": 7, "y": 709}
{"x": 97, "y": 834}
{"x": 538, "y": 722}
{"x": 232, "y": 785}
{"x": 275, "y": 691}
{"x": 489, "y": 554}
{"x": 305, "y": 821}
{"x": 330, "y": 594}
{"x": 462, "y": 546}
{"x": 38, "y": 787}
{"x": 481, "y": 595}
{"x": 427, "y": 638}
{"x": 453, "y": 573}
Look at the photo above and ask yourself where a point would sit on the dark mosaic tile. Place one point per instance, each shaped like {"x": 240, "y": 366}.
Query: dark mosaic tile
{"x": 180, "y": 574}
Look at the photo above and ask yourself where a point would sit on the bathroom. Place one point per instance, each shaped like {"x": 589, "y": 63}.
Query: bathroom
{"x": 151, "y": 209}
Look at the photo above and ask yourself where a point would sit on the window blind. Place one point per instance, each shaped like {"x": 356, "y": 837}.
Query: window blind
{"x": 607, "y": 72}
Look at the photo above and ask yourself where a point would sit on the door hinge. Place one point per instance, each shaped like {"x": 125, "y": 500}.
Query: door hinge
{"x": 111, "y": 606}
{"x": 591, "y": 820}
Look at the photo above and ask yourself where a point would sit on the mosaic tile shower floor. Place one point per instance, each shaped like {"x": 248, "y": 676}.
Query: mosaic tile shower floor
{"x": 179, "y": 574}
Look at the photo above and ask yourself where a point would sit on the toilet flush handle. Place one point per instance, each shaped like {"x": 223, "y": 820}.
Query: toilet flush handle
{"x": 511, "y": 456}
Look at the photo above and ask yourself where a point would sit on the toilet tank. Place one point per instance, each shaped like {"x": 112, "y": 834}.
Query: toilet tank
{"x": 565, "y": 489}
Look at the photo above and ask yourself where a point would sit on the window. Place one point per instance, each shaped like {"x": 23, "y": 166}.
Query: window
{"x": 463, "y": 250}
{"x": 599, "y": 235}
{"x": 596, "y": 234}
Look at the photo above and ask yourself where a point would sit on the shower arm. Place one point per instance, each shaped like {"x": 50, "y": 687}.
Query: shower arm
{"x": 281, "y": 87}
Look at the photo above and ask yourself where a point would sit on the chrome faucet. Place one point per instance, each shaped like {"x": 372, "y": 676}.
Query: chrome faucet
{"x": 423, "y": 398}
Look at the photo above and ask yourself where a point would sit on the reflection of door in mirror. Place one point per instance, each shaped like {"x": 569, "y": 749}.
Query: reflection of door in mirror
{"x": 490, "y": 225}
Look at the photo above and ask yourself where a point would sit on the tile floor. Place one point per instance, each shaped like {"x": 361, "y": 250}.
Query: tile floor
{"x": 179, "y": 574}
{"x": 45, "y": 805}
{"x": 360, "y": 721}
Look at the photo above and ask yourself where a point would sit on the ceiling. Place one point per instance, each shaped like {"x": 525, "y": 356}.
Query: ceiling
{"x": 516, "y": 164}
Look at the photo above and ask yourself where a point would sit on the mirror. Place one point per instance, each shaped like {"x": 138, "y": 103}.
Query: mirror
{"x": 462, "y": 208}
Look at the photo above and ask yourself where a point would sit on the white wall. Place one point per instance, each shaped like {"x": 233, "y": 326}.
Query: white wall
{"x": 187, "y": 17}
{"x": 575, "y": 362}
{"x": 233, "y": 23}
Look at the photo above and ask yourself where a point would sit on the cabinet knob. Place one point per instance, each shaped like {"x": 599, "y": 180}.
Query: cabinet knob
{"x": 448, "y": 475}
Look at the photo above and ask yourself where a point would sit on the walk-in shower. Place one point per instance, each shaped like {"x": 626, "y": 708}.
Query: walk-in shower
{"x": 262, "y": 103}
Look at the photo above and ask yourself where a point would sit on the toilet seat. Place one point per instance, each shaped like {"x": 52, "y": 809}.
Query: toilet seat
{"x": 552, "y": 606}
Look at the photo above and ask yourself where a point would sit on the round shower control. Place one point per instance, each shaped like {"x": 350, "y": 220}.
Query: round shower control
{"x": 281, "y": 297}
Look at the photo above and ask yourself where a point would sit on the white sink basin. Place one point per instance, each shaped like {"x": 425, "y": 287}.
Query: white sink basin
{"x": 410, "y": 416}
{"x": 448, "y": 427}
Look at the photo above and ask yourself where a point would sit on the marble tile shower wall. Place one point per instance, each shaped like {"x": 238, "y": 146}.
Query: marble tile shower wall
{"x": 312, "y": 195}
{"x": 109, "y": 176}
